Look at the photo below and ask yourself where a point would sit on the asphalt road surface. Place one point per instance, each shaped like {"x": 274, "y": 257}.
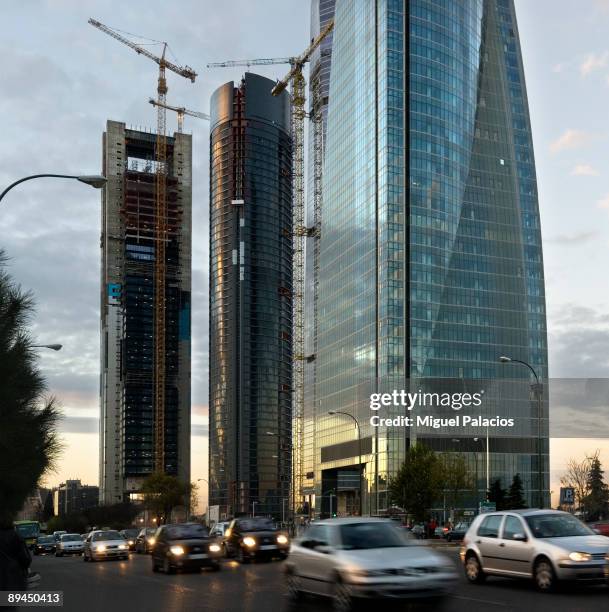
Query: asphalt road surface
{"x": 130, "y": 586}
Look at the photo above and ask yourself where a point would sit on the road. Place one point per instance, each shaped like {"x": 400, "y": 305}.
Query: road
{"x": 117, "y": 586}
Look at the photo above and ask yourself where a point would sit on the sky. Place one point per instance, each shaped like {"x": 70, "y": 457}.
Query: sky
{"x": 62, "y": 79}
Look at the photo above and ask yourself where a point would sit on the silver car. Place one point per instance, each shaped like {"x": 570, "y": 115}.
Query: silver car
{"x": 105, "y": 544}
{"x": 348, "y": 559}
{"x": 69, "y": 544}
{"x": 546, "y": 545}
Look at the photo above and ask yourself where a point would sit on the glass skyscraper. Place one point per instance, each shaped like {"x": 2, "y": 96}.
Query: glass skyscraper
{"x": 250, "y": 365}
{"x": 430, "y": 256}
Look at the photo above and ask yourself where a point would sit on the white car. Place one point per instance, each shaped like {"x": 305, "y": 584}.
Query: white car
{"x": 69, "y": 544}
{"x": 349, "y": 559}
{"x": 106, "y": 544}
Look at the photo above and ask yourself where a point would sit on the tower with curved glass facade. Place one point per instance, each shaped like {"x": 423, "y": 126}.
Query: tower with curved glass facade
{"x": 250, "y": 410}
{"x": 430, "y": 257}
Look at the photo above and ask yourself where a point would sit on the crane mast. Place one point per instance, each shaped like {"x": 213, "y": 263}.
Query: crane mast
{"x": 161, "y": 236}
{"x": 299, "y": 232}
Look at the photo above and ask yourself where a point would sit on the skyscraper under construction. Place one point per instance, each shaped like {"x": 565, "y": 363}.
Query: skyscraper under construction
{"x": 130, "y": 427}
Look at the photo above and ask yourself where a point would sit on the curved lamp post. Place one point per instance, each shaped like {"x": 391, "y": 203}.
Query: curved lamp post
{"x": 538, "y": 391}
{"x": 359, "y": 439}
{"x": 94, "y": 180}
{"x": 53, "y": 347}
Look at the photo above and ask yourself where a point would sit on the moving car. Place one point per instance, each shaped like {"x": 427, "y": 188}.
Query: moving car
{"x": 250, "y": 538}
{"x": 45, "y": 544}
{"x": 546, "y": 545}
{"x": 130, "y": 536}
{"x": 69, "y": 544}
{"x": 57, "y": 535}
{"x": 145, "y": 540}
{"x": 107, "y": 544}
{"x": 218, "y": 530}
{"x": 184, "y": 546}
{"x": 356, "y": 558}
{"x": 457, "y": 532}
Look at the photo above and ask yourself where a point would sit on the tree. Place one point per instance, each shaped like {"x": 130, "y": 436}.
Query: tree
{"x": 597, "y": 499}
{"x": 515, "y": 496}
{"x": 576, "y": 476}
{"x": 457, "y": 479}
{"x": 162, "y": 493}
{"x": 497, "y": 494}
{"x": 418, "y": 483}
{"x": 29, "y": 443}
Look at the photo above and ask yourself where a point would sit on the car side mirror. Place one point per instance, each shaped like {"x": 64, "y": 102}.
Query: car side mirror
{"x": 519, "y": 537}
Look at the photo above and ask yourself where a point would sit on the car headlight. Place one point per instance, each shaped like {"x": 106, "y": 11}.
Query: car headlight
{"x": 122, "y": 546}
{"x": 214, "y": 548}
{"x": 249, "y": 541}
{"x": 130, "y": 542}
{"x": 281, "y": 539}
{"x": 100, "y": 547}
{"x": 580, "y": 556}
{"x": 362, "y": 573}
{"x": 151, "y": 541}
{"x": 176, "y": 550}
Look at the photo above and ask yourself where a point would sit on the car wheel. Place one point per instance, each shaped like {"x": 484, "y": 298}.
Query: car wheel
{"x": 84, "y": 557}
{"x": 473, "y": 569}
{"x": 341, "y": 597}
{"x": 167, "y": 567}
{"x": 215, "y": 567}
{"x": 293, "y": 589}
{"x": 544, "y": 576}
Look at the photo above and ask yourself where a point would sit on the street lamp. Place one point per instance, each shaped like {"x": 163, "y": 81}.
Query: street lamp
{"x": 538, "y": 391}
{"x": 94, "y": 180}
{"x": 359, "y": 439}
{"x": 53, "y": 347}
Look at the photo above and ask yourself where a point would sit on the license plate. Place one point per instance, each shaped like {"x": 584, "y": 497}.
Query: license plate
{"x": 268, "y": 547}
{"x": 198, "y": 556}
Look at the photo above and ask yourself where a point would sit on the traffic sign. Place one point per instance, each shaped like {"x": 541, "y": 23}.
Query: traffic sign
{"x": 487, "y": 506}
{"x": 567, "y": 496}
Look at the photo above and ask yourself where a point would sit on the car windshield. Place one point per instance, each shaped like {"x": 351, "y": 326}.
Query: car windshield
{"x": 462, "y": 526}
{"x": 360, "y": 536}
{"x": 150, "y": 531}
{"x": 185, "y": 532}
{"x": 256, "y": 524}
{"x": 71, "y": 537}
{"x": 130, "y": 533}
{"x": 106, "y": 535}
{"x": 45, "y": 539}
{"x": 557, "y": 526}
{"x": 27, "y": 530}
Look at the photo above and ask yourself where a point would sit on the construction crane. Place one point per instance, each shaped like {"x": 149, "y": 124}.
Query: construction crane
{"x": 265, "y": 61}
{"x": 161, "y": 235}
{"x": 181, "y": 111}
{"x": 296, "y": 78}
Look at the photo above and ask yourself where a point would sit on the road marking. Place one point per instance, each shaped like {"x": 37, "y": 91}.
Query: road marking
{"x": 484, "y": 601}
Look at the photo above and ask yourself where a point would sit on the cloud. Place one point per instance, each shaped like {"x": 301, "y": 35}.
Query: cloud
{"x": 584, "y": 170}
{"x": 574, "y": 239}
{"x": 593, "y": 62}
{"x": 557, "y": 68}
{"x": 570, "y": 139}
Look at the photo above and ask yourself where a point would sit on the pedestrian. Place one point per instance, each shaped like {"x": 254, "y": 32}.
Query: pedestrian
{"x": 15, "y": 558}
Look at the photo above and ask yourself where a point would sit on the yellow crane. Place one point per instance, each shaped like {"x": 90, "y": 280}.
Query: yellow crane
{"x": 160, "y": 233}
{"x": 296, "y": 78}
{"x": 181, "y": 111}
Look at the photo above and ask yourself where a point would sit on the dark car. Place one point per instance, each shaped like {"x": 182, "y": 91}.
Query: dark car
{"x": 130, "y": 535}
{"x": 144, "y": 541}
{"x": 250, "y": 538}
{"x": 184, "y": 546}
{"x": 44, "y": 545}
{"x": 457, "y": 532}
